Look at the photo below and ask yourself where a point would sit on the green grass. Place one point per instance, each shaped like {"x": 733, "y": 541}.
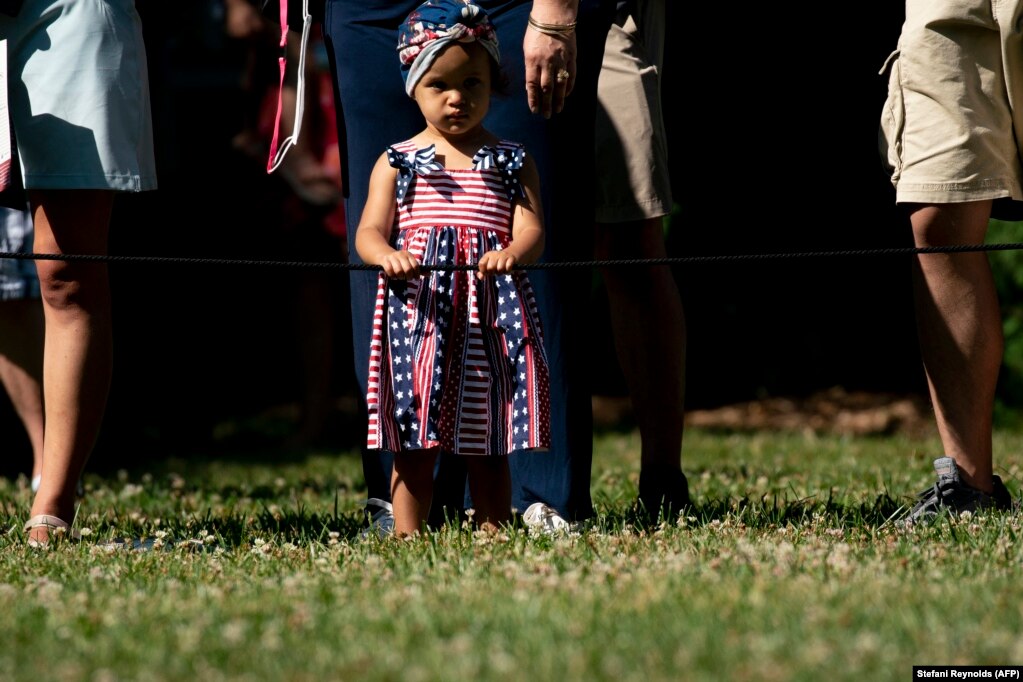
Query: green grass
{"x": 785, "y": 570}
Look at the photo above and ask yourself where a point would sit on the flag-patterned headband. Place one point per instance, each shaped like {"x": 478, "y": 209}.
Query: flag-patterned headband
{"x": 434, "y": 25}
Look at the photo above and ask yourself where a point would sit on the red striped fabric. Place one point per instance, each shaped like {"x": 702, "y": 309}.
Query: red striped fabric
{"x": 456, "y": 362}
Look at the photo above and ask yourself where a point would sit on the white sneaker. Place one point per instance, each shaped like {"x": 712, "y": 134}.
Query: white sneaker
{"x": 540, "y": 518}
{"x": 381, "y": 521}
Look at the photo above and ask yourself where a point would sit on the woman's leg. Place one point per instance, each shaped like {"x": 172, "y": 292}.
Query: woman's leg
{"x": 21, "y": 366}
{"x": 77, "y": 355}
{"x": 367, "y": 82}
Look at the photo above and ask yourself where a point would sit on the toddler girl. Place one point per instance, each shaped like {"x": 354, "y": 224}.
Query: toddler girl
{"x": 457, "y": 360}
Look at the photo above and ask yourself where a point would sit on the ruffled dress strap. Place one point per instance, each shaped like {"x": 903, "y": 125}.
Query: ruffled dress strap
{"x": 409, "y": 164}
{"x": 507, "y": 160}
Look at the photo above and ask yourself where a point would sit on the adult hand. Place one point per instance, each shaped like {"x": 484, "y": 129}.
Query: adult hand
{"x": 546, "y": 56}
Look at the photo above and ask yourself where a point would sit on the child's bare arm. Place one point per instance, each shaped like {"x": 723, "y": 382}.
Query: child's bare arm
{"x": 527, "y": 228}
{"x": 372, "y": 238}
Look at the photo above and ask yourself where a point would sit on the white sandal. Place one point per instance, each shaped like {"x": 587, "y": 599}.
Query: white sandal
{"x": 53, "y": 525}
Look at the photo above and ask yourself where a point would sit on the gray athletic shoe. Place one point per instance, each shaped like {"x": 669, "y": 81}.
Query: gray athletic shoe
{"x": 379, "y": 518}
{"x": 950, "y": 493}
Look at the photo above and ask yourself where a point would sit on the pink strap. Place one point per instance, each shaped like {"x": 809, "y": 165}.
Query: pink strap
{"x": 282, "y": 61}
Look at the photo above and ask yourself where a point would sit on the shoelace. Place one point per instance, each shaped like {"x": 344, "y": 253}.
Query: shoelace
{"x": 941, "y": 492}
{"x": 938, "y": 491}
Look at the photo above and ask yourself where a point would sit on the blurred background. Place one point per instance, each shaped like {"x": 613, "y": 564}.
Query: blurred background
{"x": 773, "y": 134}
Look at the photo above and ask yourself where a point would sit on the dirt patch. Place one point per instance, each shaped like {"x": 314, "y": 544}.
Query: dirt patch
{"x": 833, "y": 411}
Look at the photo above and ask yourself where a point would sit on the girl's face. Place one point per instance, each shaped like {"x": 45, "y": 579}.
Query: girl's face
{"x": 454, "y": 95}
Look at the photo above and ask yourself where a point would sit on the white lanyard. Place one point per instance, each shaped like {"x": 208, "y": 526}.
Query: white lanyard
{"x": 277, "y": 155}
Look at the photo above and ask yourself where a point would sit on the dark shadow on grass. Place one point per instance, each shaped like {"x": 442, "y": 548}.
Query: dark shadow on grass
{"x": 763, "y": 513}
{"x": 233, "y": 531}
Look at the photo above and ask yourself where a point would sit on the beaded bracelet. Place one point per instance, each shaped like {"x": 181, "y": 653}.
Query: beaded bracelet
{"x": 552, "y": 29}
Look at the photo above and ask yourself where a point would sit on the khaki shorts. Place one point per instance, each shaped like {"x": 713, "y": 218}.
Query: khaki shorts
{"x": 950, "y": 130}
{"x": 632, "y": 152}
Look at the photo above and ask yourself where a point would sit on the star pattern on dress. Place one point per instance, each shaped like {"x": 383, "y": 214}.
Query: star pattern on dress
{"x": 426, "y": 325}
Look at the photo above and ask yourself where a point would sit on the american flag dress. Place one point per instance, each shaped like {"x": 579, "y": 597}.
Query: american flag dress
{"x": 457, "y": 362}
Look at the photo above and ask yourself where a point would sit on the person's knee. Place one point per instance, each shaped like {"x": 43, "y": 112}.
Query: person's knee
{"x": 634, "y": 239}
{"x": 616, "y": 240}
{"x": 630, "y": 241}
{"x": 947, "y": 224}
{"x": 61, "y": 286}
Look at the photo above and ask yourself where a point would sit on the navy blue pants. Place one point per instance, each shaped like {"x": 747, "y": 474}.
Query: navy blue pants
{"x": 374, "y": 112}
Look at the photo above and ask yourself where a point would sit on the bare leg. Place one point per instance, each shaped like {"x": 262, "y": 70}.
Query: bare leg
{"x": 490, "y": 487}
{"x": 960, "y": 328}
{"x": 648, "y": 324}
{"x": 412, "y": 490}
{"x": 21, "y": 368}
{"x": 77, "y": 354}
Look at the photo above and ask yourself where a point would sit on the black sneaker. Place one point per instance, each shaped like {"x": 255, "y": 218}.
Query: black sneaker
{"x": 663, "y": 493}
{"x": 950, "y": 493}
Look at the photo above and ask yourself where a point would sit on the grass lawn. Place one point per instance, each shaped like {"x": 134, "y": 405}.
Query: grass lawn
{"x": 785, "y": 570}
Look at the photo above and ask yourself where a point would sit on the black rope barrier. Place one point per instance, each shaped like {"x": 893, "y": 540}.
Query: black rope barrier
{"x": 645, "y": 262}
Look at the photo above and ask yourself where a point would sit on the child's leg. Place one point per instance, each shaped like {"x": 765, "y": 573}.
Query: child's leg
{"x": 490, "y": 487}
{"x": 412, "y": 489}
